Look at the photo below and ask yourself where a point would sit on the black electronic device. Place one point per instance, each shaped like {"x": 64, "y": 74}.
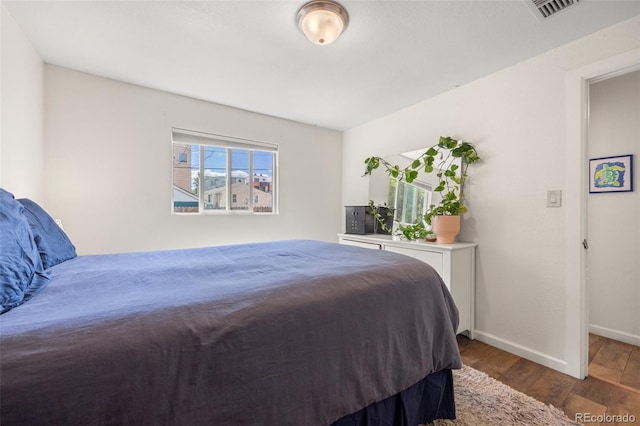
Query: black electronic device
{"x": 359, "y": 220}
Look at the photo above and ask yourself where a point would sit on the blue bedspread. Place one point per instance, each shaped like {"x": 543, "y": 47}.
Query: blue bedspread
{"x": 281, "y": 333}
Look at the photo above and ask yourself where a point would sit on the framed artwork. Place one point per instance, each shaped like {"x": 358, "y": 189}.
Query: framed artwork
{"x": 611, "y": 174}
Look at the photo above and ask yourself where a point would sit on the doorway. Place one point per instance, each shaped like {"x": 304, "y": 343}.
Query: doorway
{"x": 613, "y": 229}
{"x": 613, "y": 209}
{"x": 577, "y": 112}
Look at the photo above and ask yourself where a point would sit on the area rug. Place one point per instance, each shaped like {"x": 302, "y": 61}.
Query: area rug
{"x": 481, "y": 400}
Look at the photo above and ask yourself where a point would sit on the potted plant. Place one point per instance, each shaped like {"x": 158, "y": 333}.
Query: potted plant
{"x": 441, "y": 159}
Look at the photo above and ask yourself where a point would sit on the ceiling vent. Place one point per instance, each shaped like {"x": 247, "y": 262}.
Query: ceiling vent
{"x": 544, "y": 9}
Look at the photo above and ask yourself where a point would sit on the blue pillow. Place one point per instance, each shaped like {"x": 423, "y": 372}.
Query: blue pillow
{"x": 21, "y": 273}
{"x": 53, "y": 244}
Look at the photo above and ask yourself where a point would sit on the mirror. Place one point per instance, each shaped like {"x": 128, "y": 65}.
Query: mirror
{"x": 408, "y": 200}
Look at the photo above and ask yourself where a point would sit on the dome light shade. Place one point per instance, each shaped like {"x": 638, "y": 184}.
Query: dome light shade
{"x": 322, "y": 21}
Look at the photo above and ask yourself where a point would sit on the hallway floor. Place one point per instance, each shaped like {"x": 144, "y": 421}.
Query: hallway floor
{"x": 612, "y": 388}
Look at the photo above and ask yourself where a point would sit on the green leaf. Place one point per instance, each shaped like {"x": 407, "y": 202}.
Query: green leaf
{"x": 416, "y": 164}
{"x": 372, "y": 164}
{"x": 465, "y": 147}
{"x": 471, "y": 157}
{"x": 447, "y": 142}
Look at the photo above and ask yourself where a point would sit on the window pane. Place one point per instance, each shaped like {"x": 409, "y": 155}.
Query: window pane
{"x": 240, "y": 179}
{"x": 400, "y": 197}
{"x": 215, "y": 178}
{"x": 392, "y": 192}
{"x": 185, "y": 178}
{"x": 410, "y": 201}
{"x": 263, "y": 181}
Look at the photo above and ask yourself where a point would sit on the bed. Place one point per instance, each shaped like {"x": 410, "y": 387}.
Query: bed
{"x": 280, "y": 333}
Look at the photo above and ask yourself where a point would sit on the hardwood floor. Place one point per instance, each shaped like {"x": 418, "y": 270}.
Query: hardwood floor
{"x": 612, "y": 388}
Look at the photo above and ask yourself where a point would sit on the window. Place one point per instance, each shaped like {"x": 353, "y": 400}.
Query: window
{"x": 410, "y": 200}
{"x": 220, "y": 174}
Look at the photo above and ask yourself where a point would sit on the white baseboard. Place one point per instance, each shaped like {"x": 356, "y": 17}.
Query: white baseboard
{"x": 610, "y": 333}
{"x": 522, "y": 351}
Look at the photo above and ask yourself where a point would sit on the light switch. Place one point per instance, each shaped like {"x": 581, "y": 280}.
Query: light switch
{"x": 554, "y": 198}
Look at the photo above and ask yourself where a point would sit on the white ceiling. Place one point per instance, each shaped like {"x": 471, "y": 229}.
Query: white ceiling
{"x": 251, "y": 55}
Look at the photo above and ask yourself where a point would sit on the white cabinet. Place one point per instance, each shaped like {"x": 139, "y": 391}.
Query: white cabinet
{"x": 454, "y": 262}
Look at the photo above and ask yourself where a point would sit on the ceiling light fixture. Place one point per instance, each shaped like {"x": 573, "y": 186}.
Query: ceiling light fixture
{"x": 322, "y": 21}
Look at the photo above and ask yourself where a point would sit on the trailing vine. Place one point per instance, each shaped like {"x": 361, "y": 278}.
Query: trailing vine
{"x": 441, "y": 159}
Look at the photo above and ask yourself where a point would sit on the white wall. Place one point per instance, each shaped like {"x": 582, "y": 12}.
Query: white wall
{"x": 516, "y": 118}
{"x": 614, "y": 218}
{"x": 108, "y": 168}
{"x": 22, "y": 137}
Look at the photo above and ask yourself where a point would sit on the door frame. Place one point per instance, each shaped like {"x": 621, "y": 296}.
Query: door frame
{"x": 577, "y": 116}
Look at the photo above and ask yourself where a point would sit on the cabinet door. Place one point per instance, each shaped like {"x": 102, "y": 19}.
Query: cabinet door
{"x": 433, "y": 258}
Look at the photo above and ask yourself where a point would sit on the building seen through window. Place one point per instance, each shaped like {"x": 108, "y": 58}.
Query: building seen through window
{"x": 222, "y": 175}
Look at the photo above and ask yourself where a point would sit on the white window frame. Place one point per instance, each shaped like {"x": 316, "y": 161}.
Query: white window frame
{"x": 202, "y": 139}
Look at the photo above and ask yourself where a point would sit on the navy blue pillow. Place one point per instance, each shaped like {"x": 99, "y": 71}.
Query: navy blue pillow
{"x": 21, "y": 273}
{"x": 53, "y": 243}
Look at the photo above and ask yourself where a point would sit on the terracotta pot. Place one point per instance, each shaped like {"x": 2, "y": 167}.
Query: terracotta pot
{"x": 446, "y": 228}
